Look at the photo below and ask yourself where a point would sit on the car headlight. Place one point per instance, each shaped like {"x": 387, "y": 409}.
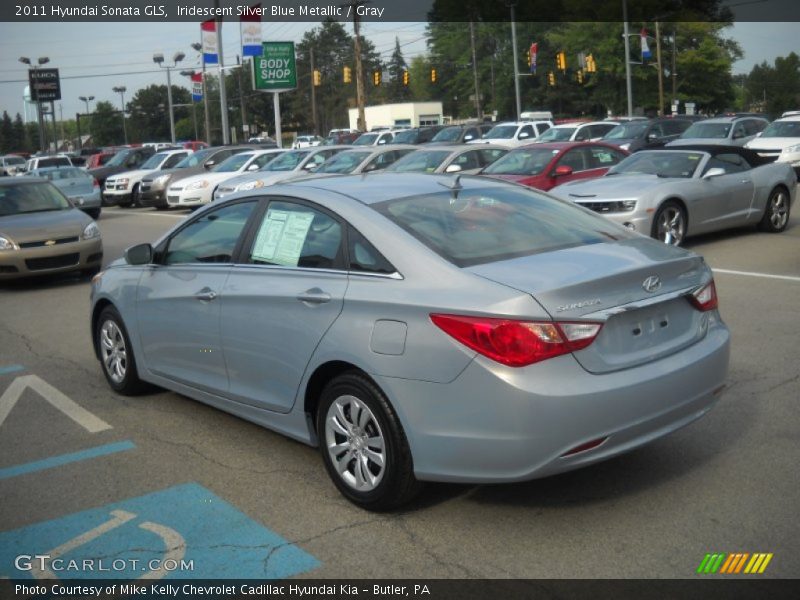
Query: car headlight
{"x": 250, "y": 185}
{"x": 91, "y": 231}
{"x": 161, "y": 181}
{"x": 197, "y": 185}
{"x": 123, "y": 182}
{"x": 7, "y": 244}
{"x": 628, "y": 205}
{"x": 625, "y": 146}
{"x": 791, "y": 149}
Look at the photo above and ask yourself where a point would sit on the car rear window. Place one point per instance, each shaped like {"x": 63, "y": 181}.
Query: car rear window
{"x": 479, "y": 226}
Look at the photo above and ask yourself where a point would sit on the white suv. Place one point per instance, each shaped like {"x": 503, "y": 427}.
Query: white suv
{"x": 514, "y": 134}
{"x": 780, "y": 140}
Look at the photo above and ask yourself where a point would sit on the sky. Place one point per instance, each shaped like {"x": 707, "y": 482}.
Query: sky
{"x": 95, "y": 57}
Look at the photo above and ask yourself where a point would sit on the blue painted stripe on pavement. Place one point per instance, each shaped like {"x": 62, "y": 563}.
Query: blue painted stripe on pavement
{"x": 64, "y": 459}
{"x": 11, "y": 369}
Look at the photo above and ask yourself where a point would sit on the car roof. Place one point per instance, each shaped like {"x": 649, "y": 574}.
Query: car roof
{"x": 373, "y": 188}
{"x": 789, "y": 118}
{"x": 9, "y": 181}
{"x": 730, "y": 119}
{"x": 713, "y": 149}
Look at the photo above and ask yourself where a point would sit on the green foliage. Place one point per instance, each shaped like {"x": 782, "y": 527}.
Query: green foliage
{"x": 395, "y": 90}
{"x": 6, "y": 134}
{"x": 106, "y": 125}
{"x": 779, "y": 84}
{"x": 149, "y": 116}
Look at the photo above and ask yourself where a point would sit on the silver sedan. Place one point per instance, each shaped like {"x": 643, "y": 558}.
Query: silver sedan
{"x": 673, "y": 193}
{"x": 419, "y": 328}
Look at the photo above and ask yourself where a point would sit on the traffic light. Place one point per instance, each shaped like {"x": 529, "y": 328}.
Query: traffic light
{"x": 376, "y": 78}
{"x": 405, "y": 77}
{"x": 528, "y": 54}
{"x": 591, "y": 65}
{"x": 433, "y": 75}
{"x": 317, "y": 78}
{"x": 551, "y": 78}
{"x": 579, "y": 76}
{"x": 561, "y": 61}
{"x": 347, "y": 75}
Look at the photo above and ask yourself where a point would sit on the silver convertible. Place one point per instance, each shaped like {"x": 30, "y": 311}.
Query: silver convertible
{"x": 419, "y": 327}
{"x": 670, "y": 194}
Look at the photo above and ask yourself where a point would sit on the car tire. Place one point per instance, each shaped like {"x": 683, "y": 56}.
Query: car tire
{"x": 776, "y": 212}
{"x": 354, "y": 419}
{"x": 94, "y": 212}
{"x": 111, "y": 337}
{"x": 669, "y": 224}
{"x": 135, "y": 197}
{"x": 91, "y": 271}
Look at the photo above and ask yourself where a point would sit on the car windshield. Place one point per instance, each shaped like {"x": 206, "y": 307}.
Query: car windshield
{"x": 448, "y": 134}
{"x": 13, "y": 160}
{"x": 196, "y": 159}
{"x": 405, "y": 137}
{"x": 492, "y": 224}
{"x": 59, "y": 174}
{"x": 286, "y": 162}
{"x": 366, "y": 139}
{"x": 664, "y": 163}
{"x": 522, "y": 162}
{"x": 344, "y": 162}
{"x": 627, "y": 131}
{"x": 501, "y": 132}
{"x": 31, "y": 198}
{"x": 557, "y": 134}
{"x": 421, "y": 161}
{"x": 119, "y": 158}
{"x": 782, "y": 129}
{"x": 707, "y": 130}
{"x": 154, "y": 161}
{"x": 233, "y": 163}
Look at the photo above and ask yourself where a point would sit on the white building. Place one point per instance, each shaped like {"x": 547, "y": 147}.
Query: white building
{"x": 406, "y": 114}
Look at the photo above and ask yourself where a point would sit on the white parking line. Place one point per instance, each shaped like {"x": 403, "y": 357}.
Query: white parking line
{"x": 751, "y": 274}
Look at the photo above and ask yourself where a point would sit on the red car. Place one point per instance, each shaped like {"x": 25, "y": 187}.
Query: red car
{"x": 195, "y": 145}
{"x": 544, "y": 166}
{"x": 98, "y": 160}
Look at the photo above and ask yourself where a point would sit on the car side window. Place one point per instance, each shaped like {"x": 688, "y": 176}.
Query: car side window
{"x": 732, "y": 163}
{"x": 738, "y": 131}
{"x": 603, "y": 158}
{"x": 174, "y": 159}
{"x": 489, "y": 155}
{"x": 542, "y": 127}
{"x": 467, "y": 160}
{"x": 527, "y": 129}
{"x": 297, "y": 235}
{"x": 364, "y": 257}
{"x": 575, "y": 159}
{"x": 211, "y": 238}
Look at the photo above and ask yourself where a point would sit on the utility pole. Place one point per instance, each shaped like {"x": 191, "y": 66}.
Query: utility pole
{"x": 223, "y": 94}
{"x": 245, "y": 134}
{"x": 628, "y": 87}
{"x": 313, "y": 96}
{"x": 478, "y": 113}
{"x": 353, "y": 6}
{"x": 660, "y": 72}
{"x": 517, "y": 96}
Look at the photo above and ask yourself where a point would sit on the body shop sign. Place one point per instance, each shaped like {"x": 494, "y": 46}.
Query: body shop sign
{"x": 274, "y": 70}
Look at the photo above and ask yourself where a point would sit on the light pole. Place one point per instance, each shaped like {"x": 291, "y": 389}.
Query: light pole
{"x": 628, "y": 87}
{"x": 121, "y": 91}
{"x": 512, "y": 5}
{"x": 199, "y": 48}
{"x": 159, "y": 59}
{"x": 31, "y": 67}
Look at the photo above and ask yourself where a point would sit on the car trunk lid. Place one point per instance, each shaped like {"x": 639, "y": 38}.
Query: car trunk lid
{"x": 607, "y": 283}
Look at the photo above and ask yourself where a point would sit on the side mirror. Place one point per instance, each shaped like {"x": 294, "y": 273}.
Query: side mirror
{"x": 715, "y": 172}
{"x": 140, "y": 254}
{"x": 209, "y": 164}
{"x": 523, "y": 136}
{"x": 369, "y": 167}
{"x": 759, "y": 134}
{"x": 310, "y": 166}
{"x": 562, "y": 171}
{"x": 452, "y": 169}
{"x": 253, "y": 167}
{"x": 651, "y": 137}
{"x": 468, "y": 138}
{"x": 738, "y": 134}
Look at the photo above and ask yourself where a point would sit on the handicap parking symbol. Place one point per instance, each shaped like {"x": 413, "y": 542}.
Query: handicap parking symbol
{"x": 181, "y": 532}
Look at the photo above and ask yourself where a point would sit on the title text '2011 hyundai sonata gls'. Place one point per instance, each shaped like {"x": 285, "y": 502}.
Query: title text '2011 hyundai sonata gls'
{"x": 419, "y": 328}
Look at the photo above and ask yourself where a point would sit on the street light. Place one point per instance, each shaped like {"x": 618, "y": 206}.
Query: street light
{"x": 159, "y": 59}
{"x": 86, "y": 99}
{"x": 40, "y": 61}
{"x": 121, "y": 91}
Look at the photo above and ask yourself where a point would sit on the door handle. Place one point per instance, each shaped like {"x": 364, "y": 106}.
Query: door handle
{"x": 206, "y": 295}
{"x": 314, "y": 296}
{"x": 744, "y": 181}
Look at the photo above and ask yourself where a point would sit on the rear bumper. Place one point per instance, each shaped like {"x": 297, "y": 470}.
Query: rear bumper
{"x": 63, "y": 258}
{"x": 496, "y": 424}
{"x": 153, "y": 198}
{"x": 87, "y": 201}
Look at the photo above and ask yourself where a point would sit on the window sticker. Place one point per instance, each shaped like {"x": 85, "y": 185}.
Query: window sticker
{"x": 281, "y": 237}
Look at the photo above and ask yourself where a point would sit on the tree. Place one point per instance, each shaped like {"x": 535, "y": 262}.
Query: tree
{"x": 395, "y": 90}
{"x": 774, "y": 89}
{"x": 149, "y": 109}
{"x": 106, "y": 125}
{"x": 6, "y": 134}
{"x": 18, "y": 141}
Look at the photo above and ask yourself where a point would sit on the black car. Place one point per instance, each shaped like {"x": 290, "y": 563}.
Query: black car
{"x": 417, "y": 135}
{"x": 460, "y": 134}
{"x": 654, "y": 133}
{"x": 124, "y": 160}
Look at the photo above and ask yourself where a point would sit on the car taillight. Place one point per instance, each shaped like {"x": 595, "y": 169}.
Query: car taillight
{"x": 95, "y": 183}
{"x": 517, "y": 343}
{"x": 705, "y": 298}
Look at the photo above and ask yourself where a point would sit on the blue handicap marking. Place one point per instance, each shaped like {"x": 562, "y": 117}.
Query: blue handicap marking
{"x": 7, "y": 369}
{"x": 182, "y": 532}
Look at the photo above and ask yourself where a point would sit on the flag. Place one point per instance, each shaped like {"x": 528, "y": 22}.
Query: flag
{"x": 208, "y": 30}
{"x": 197, "y": 87}
{"x": 250, "y": 28}
{"x": 534, "y": 50}
{"x": 645, "y": 48}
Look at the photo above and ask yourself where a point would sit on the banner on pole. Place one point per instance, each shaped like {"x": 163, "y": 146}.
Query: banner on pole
{"x": 208, "y": 30}
{"x": 250, "y": 28}
{"x": 197, "y": 87}
{"x": 534, "y": 51}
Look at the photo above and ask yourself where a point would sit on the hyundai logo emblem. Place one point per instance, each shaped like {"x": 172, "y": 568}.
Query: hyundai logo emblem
{"x": 652, "y": 284}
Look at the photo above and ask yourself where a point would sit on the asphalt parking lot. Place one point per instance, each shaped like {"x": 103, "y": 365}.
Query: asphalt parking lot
{"x": 92, "y": 474}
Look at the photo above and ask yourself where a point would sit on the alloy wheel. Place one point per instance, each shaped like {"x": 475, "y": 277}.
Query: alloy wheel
{"x": 778, "y": 210}
{"x": 671, "y": 226}
{"x": 113, "y": 351}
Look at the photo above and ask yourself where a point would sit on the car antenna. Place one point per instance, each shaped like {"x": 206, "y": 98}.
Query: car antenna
{"x": 455, "y": 187}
